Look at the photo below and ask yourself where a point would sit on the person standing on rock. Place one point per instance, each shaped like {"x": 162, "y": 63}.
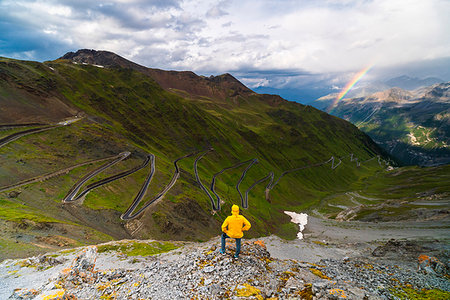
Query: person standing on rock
{"x": 234, "y": 227}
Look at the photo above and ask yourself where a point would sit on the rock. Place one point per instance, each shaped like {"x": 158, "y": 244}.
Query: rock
{"x": 208, "y": 269}
{"x": 318, "y": 286}
{"x": 20, "y": 294}
{"x": 199, "y": 273}
{"x": 82, "y": 269}
{"x": 356, "y": 293}
{"x": 14, "y": 194}
{"x": 395, "y": 246}
{"x": 293, "y": 284}
{"x": 337, "y": 293}
{"x": 430, "y": 264}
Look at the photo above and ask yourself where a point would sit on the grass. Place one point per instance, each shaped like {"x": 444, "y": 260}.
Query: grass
{"x": 15, "y": 212}
{"x": 139, "y": 248}
{"x": 405, "y": 293}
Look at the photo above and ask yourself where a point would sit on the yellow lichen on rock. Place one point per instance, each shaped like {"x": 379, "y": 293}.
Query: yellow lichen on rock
{"x": 246, "y": 290}
{"x": 319, "y": 273}
{"x": 56, "y": 294}
{"x": 340, "y": 294}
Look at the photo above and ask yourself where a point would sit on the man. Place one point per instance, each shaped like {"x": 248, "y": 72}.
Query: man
{"x": 233, "y": 227}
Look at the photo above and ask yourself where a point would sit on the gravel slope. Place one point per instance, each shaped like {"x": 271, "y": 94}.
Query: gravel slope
{"x": 348, "y": 260}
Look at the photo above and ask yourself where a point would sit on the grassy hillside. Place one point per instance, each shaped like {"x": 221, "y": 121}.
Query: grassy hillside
{"x": 126, "y": 110}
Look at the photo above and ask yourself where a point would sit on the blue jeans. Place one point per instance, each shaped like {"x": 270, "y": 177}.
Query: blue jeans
{"x": 238, "y": 244}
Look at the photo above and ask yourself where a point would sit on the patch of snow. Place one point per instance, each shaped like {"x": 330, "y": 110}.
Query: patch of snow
{"x": 301, "y": 219}
{"x": 51, "y": 68}
{"x": 99, "y": 66}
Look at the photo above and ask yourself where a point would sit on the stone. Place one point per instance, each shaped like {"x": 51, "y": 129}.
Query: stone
{"x": 318, "y": 286}
{"x": 208, "y": 269}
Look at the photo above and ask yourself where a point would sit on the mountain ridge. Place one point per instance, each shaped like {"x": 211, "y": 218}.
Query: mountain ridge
{"x": 221, "y": 86}
{"x": 415, "y": 121}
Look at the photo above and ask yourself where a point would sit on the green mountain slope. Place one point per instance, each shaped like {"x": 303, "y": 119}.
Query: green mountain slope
{"x": 126, "y": 108}
{"x": 414, "y": 127}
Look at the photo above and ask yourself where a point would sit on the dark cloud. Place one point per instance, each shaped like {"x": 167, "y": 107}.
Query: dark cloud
{"x": 274, "y": 72}
{"x": 21, "y": 40}
{"x": 438, "y": 67}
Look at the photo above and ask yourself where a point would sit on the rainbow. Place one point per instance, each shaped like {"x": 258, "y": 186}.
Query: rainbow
{"x": 350, "y": 85}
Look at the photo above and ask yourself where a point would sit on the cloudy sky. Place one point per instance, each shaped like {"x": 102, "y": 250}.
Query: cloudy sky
{"x": 273, "y": 43}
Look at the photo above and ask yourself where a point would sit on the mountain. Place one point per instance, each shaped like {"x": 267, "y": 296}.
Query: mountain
{"x": 95, "y": 124}
{"x": 366, "y": 89}
{"x": 221, "y": 87}
{"x": 413, "y": 126}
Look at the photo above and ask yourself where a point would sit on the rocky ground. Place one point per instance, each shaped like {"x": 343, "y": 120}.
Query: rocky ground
{"x": 346, "y": 267}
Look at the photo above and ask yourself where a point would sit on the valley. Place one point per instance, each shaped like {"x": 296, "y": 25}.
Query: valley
{"x": 135, "y": 125}
{"x": 412, "y": 126}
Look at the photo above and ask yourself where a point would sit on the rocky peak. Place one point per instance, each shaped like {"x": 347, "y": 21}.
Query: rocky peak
{"x": 103, "y": 58}
{"x": 438, "y": 92}
{"x": 392, "y": 95}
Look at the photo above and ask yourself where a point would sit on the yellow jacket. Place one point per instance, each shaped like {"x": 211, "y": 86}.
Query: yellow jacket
{"x": 235, "y": 224}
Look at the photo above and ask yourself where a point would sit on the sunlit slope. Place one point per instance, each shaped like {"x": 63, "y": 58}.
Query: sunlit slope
{"x": 126, "y": 110}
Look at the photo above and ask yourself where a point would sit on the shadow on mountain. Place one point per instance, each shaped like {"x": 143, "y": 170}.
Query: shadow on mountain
{"x": 407, "y": 154}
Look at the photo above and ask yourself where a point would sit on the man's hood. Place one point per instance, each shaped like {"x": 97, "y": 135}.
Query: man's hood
{"x": 235, "y": 210}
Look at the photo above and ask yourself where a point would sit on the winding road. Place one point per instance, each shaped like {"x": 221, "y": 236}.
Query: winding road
{"x": 52, "y": 174}
{"x": 253, "y": 161}
{"x": 113, "y": 178}
{"x": 213, "y": 181}
{"x": 72, "y": 194}
{"x": 127, "y": 215}
{"x": 150, "y": 159}
{"x": 270, "y": 176}
{"x": 215, "y": 204}
{"x": 12, "y": 137}
{"x": 197, "y": 177}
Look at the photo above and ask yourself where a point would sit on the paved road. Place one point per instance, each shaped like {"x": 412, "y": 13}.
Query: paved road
{"x": 52, "y": 174}
{"x": 113, "y": 178}
{"x": 213, "y": 181}
{"x": 197, "y": 177}
{"x": 18, "y": 135}
{"x": 12, "y": 126}
{"x": 215, "y": 204}
{"x": 269, "y": 176}
{"x": 253, "y": 161}
{"x": 128, "y": 214}
{"x": 44, "y": 127}
{"x": 71, "y": 195}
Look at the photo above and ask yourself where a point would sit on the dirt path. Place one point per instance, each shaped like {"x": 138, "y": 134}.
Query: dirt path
{"x": 332, "y": 239}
